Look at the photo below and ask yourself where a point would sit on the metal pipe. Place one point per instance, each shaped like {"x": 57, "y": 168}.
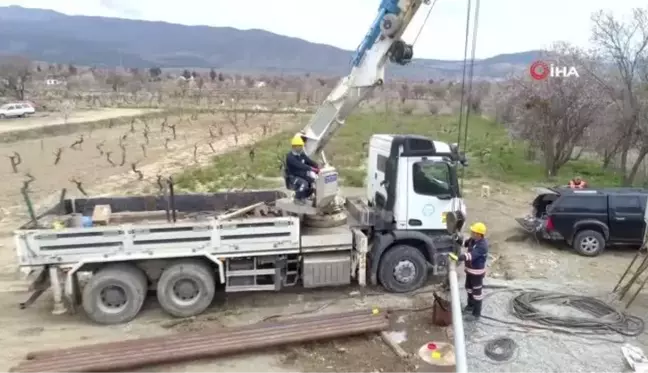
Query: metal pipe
{"x": 260, "y": 328}
{"x": 172, "y": 199}
{"x": 61, "y": 205}
{"x": 30, "y": 207}
{"x": 211, "y": 346}
{"x": 457, "y": 320}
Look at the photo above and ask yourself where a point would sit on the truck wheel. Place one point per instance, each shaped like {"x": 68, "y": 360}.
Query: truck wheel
{"x": 589, "y": 243}
{"x": 115, "y": 294}
{"x": 402, "y": 269}
{"x": 186, "y": 289}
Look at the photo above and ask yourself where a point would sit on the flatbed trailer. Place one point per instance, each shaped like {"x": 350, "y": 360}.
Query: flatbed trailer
{"x": 185, "y": 260}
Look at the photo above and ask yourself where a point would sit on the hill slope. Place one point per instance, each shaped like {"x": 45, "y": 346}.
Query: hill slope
{"x": 46, "y": 35}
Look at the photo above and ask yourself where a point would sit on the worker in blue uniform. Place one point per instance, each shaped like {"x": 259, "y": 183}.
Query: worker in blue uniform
{"x": 475, "y": 267}
{"x": 298, "y": 166}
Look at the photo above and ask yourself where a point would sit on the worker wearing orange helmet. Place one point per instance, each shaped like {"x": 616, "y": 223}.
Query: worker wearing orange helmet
{"x": 475, "y": 267}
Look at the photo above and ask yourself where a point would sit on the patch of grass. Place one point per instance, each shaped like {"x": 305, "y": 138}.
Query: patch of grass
{"x": 491, "y": 154}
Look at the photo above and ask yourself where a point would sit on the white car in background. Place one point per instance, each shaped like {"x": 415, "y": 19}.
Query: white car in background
{"x": 16, "y": 110}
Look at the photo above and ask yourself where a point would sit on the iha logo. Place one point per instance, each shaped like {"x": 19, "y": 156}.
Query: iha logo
{"x": 541, "y": 70}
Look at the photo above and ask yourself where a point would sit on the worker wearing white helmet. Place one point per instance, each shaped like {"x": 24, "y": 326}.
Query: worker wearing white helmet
{"x": 475, "y": 267}
{"x": 298, "y": 165}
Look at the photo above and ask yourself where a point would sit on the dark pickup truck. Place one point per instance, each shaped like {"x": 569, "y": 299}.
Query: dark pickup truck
{"x": 589, "y": 219}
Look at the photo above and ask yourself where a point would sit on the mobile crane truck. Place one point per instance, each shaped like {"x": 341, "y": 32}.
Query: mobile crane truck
{"x": 394, "y": 237}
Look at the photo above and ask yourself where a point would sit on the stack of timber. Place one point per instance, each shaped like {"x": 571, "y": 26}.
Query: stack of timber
{"x": 141, "y": 353}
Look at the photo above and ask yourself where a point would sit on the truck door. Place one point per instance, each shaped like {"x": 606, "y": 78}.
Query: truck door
{"x": 627, "y": 218}
{"x": 376, "y": 178}
{"x": 429, "y": 194}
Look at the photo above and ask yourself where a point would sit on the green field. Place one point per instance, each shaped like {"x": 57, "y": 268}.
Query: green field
{"x": 490, "y": 155}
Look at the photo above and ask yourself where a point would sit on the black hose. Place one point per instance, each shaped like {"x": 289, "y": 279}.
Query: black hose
{"x": 602, "y": 318}
{"x": 500, "y": 349}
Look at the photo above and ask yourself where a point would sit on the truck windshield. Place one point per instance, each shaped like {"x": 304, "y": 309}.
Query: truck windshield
{"x": 431, "y": 179}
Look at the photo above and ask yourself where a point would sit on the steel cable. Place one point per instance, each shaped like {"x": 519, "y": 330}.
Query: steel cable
{"x": 500, "y": 349}
{"x": 602, "y": 318}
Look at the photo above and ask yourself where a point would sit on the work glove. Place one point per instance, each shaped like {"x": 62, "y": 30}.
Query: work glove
{"x": 456, "y": 258}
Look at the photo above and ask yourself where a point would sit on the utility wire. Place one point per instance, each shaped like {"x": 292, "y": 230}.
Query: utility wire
{"x": 600, "y": 317}
{"x": 500, "y": 349}
{"x": 463, "y": 75}
{"x": 424, "y": 21}
{"x": 471, "y": 74}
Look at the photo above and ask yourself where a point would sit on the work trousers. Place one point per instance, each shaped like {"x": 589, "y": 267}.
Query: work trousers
{"x": 474, "y": 285}
{"x": 302, "y": 187}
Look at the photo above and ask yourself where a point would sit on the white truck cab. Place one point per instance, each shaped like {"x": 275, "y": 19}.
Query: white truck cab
{"x": 413, "y": 180}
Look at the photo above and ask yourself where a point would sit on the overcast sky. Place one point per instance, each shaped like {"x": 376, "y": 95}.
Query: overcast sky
{"x": 506, "y": 26}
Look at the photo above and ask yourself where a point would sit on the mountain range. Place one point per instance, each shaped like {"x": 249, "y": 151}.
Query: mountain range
{"x": 49, "y": 36}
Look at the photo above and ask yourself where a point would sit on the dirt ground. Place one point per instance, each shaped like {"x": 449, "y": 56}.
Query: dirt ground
{"x": 36, "y": 328}
{"x": 48, "y": 119}
{"x": 96, "y": 158}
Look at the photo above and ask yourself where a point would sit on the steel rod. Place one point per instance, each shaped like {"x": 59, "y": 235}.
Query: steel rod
{"x": 172, "y": 341}
{"x": 457, "y": 320}
{"x": 206, "y": 348}
{"x": 265, "y": 326}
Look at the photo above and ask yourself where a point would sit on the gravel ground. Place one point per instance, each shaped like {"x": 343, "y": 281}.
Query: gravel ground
{"x": 541, "y": 350}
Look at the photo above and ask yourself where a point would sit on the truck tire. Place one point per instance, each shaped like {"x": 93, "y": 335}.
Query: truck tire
{"x": 115, "y": 294}
{"x": 589, "y": 243}
{"x": 402, "y": 269}
{"x": 186, "y": 288}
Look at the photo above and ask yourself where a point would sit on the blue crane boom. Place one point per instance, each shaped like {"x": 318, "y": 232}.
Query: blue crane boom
{"x": 382, "y": 43}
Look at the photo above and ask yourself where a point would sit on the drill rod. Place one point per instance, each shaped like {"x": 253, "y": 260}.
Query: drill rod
{"x": 457, "y": 320}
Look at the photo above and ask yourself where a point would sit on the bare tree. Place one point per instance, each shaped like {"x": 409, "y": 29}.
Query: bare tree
{"x": 15, "y": 160}
{"x": 626, "y": 45}
{"x": 554, "y": 115}
{"x": 66, "y": 108}
{"x": 116, "y": 81}
{"x": 15, "y": 73}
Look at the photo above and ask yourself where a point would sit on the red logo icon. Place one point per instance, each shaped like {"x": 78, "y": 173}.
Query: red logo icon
{"x": 539, "y": 70}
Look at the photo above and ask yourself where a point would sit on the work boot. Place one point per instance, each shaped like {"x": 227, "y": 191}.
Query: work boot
{"x": 471, "y": 317}
{"x": 470, "y": 306}
{"x": 476, "y": 312}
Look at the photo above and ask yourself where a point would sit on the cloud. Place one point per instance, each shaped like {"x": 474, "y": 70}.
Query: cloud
{"x": 120, "y": 7}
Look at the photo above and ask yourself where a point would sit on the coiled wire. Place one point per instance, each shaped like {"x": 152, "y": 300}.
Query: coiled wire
{"x": 603, "y": 317}
{"x": 500, "y": 349}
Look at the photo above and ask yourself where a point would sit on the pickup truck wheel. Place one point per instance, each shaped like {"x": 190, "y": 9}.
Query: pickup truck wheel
{"x": 589, "y": 243}
{"x": 402, "y": 269}
{"x": 115, "y": 294}
{"x": 186, "y": 289}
